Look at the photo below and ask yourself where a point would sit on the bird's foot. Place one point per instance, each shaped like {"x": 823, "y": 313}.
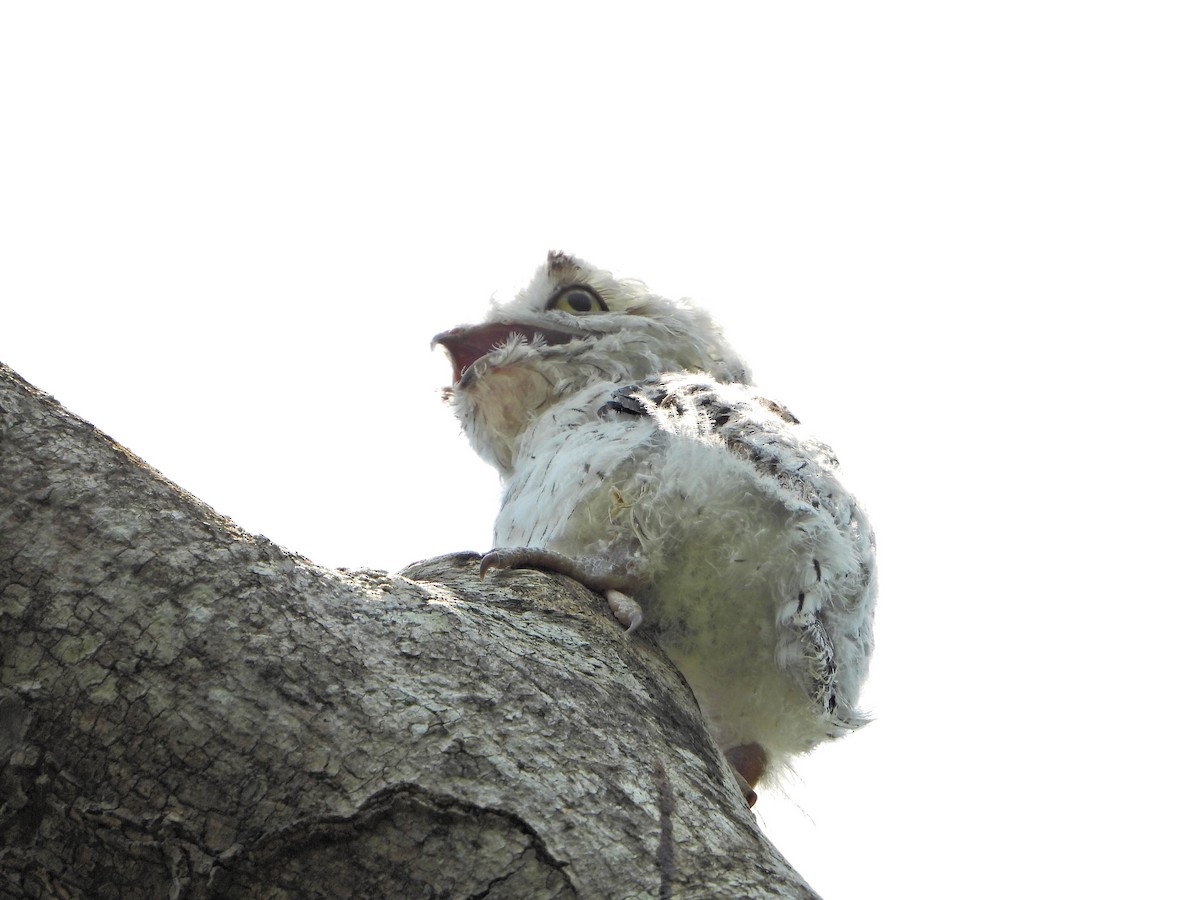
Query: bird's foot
{"x": 749, "y": 761}
{"x": 596, "y": 574}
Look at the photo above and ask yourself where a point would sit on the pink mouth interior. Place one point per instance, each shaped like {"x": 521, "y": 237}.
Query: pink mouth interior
{"x": 466, "y": 345}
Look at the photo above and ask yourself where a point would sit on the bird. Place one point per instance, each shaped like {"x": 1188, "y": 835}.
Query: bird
{"x": 637, "y": 457}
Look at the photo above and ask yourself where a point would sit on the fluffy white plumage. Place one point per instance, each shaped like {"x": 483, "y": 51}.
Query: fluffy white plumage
{"x": 635, "y": 451}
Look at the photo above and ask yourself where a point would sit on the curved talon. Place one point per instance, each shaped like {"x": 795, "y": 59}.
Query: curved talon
{"x": 488, "y": 561}
{"x": 625, "y": 610}
{"x": 748, "y": 762}
{"x": 748, "y": 792}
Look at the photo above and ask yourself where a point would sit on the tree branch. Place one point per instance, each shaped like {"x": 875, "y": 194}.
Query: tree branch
{"x": 187, "y": 710}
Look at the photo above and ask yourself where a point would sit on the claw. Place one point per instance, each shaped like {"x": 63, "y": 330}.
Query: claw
{"x": 748, "y": 792}
{"x": 749, "y": 761}
{"x": 624, "y": 609}
{"x": 487, "y": 562}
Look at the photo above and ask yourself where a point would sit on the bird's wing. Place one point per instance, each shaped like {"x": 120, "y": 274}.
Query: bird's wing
{"x": 826, "y": 615}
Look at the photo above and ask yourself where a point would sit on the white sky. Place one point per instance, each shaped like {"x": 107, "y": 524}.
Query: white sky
{"x": 958, "y": 239}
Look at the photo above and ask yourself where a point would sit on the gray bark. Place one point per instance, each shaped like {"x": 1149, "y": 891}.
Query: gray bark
{"x": 187, "y": 710}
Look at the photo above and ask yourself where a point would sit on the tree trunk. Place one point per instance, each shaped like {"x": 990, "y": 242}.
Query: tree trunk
{"x": 187, "y": 710}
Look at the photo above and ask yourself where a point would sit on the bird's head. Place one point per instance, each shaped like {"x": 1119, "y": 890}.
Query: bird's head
{"x": 572, "y": 327}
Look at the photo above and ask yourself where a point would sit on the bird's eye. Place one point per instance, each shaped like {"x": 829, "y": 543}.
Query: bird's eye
{"x": 578, "y": 301}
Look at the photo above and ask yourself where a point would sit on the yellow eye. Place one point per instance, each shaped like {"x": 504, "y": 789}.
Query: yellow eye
{"x": 577, "y": 300}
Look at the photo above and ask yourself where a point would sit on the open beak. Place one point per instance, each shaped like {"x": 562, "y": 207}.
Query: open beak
{"x": 469, "y": 343}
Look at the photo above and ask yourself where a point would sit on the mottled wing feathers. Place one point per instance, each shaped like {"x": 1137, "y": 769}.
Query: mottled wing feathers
{"x": 796, "y": 471}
